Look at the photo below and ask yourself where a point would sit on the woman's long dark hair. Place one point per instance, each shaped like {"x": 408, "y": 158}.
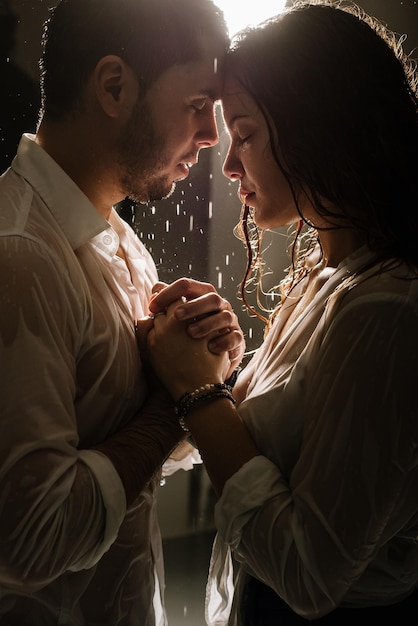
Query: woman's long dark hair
{"x": 340, "y": 94}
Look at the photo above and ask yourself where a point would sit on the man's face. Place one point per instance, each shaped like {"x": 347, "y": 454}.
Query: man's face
{"x": 167, "y": 129}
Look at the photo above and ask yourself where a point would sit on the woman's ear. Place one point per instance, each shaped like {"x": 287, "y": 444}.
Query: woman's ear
{"x": 116, "y": 85}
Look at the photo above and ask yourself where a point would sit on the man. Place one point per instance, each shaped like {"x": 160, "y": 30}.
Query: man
{"x": 128, "y": 93}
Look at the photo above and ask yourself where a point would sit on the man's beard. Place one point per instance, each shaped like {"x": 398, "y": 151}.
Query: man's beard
{"x": 141, "y": 158}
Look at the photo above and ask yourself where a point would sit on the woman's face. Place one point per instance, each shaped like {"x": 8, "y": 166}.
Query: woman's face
{"x": 250, "y": 161}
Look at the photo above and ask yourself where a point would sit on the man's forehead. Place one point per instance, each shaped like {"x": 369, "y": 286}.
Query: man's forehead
{"x": 211, "y": 91}
{"x": 195, "y": 79}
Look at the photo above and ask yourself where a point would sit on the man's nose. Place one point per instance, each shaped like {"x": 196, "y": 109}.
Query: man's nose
{"x": 208, "y": 133}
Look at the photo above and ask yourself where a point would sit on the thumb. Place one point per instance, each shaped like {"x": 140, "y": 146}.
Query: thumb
{"x": 158, "y": 287}
{"x": 143, "y": 326}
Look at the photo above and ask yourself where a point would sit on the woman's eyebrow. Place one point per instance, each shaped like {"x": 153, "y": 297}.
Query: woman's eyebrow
{"x": 236, "y": 118}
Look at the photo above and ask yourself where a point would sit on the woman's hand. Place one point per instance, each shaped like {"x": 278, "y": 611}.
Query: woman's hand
{"x": 205, "y": 314}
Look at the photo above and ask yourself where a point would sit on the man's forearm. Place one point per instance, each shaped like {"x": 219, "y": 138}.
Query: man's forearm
{"x": 139, "y": 450}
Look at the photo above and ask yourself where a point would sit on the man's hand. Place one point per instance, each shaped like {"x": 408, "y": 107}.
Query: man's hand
{"x": 206, "y": 313}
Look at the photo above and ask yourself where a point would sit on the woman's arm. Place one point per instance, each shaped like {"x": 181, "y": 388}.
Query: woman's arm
{"x": 311, "y": 537}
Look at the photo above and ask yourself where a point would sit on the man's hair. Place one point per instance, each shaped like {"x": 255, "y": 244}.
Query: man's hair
{"x": 149, "y": 35}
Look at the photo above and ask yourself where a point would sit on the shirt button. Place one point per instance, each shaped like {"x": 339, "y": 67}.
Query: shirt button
{"x": 107, "y": 240}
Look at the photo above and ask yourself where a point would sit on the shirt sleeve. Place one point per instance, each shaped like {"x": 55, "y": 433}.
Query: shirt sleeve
{"x": 60, "y": 508}
{"x": 353, "y": 487}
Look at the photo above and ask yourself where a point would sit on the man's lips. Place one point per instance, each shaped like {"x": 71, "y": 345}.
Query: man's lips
{"x": 185, "y": 166}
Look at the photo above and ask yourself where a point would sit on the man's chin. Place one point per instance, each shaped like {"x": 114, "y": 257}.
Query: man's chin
{"x": 170, "y": 193}
{"x": 154, "y": 194}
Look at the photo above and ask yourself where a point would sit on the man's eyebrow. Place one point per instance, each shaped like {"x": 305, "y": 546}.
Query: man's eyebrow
{"x": 207, "y": 93}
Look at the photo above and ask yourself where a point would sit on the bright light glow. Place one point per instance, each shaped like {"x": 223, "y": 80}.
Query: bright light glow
{"x": 239, "y": 16}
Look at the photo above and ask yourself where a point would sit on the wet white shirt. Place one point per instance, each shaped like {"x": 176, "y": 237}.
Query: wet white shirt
{"x": 327, "y": 515}
{"x": 70, "y": 375}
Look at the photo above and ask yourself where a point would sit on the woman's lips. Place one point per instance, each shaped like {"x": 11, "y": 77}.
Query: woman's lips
{"x": 246, "y": 195}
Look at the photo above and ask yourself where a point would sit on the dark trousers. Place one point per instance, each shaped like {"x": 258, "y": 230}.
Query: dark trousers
{"x": 263, "y": 607}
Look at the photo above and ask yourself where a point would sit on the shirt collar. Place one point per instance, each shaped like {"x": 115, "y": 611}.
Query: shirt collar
{"x": 77, "y": 217}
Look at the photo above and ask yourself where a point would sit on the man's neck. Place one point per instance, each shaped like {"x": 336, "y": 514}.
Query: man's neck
{"x": 83, "y": 159}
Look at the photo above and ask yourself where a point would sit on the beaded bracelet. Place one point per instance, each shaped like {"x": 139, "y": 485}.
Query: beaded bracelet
{"x": 206, "y": 392}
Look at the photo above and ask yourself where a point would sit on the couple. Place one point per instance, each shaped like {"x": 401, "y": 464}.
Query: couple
{"x": 313, "y": 451}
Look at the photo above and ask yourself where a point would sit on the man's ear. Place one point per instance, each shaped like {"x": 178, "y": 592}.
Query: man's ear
{"x": 116, "y": 85}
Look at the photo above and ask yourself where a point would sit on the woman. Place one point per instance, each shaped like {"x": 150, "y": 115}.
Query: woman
{"x": 314, "y": 455}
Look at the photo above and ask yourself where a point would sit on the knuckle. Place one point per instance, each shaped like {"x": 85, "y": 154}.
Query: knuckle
{"x": 185, "y": 284}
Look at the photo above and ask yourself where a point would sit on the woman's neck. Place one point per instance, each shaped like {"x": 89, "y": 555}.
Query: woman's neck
{"x": 339, "y": 244}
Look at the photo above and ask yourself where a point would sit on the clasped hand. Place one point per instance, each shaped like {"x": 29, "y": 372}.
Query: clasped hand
{"x": 192, "y": 336}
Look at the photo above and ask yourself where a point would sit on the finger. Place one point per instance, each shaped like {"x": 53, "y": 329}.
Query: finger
{"x": 153, "y": 317}
{"x": 232, "y": 342}
{"x": 158, "y": 287}
{"x": 142, "y": 328}
{"x": 212, "y": 325}
{"x": 203, "y": 306}
{"x": 185, "y": 288}
{"x": 166, "y": 319}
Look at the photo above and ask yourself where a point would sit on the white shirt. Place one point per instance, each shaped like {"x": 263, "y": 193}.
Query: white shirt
{"x": 70, "y": 375}
{"x": 327, "y": 515}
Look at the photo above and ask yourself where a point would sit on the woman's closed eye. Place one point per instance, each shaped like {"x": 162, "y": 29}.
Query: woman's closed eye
{"x": 244, "y": 140}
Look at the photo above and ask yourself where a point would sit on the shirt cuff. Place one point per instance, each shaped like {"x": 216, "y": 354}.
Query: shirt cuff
{"x": 255, "y": 483}
{"x": 113, "y": 497}
{"x": 171, "y": 466}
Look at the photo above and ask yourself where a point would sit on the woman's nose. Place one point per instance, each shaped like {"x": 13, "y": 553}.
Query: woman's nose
{"x": 232, "y": 167}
